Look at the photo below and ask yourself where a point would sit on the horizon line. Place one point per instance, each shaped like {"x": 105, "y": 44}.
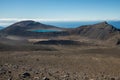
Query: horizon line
{"x": 38, "y": 19}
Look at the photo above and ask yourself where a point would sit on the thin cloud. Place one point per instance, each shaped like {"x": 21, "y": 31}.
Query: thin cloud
{"x": 37, "y": 19}
{"x": 9, "y": 21}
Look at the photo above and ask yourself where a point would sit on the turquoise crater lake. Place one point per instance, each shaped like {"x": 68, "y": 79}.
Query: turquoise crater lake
{"x": 44, "y": 30}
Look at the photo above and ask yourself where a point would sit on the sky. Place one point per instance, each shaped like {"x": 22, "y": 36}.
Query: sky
{"x": 59, "y": 10}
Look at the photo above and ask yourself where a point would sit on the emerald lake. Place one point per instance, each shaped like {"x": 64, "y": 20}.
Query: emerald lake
{"x": 44, "y": 30}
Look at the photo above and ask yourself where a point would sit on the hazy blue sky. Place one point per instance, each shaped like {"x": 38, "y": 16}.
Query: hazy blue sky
{"x": 60, "y": 9}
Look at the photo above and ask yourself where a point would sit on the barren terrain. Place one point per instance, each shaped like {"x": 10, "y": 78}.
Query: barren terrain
{"x": 90, "y": 52}
{"x": 63, "y": 63}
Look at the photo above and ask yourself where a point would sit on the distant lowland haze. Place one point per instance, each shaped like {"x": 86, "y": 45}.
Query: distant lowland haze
{"x": 69, "y": 24}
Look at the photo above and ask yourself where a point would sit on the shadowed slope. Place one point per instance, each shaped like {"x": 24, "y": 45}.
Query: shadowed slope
{"x": 26, "y": 26}
{"x": 100, "y": 31}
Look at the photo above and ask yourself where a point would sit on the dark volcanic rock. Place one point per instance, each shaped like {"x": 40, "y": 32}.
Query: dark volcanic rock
{"x": 118, "y": 42}
{"x": 56, "y": 42}
{"x": 26, "y": 75}
{"x": 63, "y": 42}
{"x": 2, "y": 71}
{"x": 45, "y": 78}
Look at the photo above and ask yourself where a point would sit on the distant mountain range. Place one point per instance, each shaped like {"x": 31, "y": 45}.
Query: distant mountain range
{"x": 101, "y": 31}
{"x": 115, "y": 23}
{"x": 1, "y": 27}
{"x": 74, "y": 24}
{"x": 25, "y": 28}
